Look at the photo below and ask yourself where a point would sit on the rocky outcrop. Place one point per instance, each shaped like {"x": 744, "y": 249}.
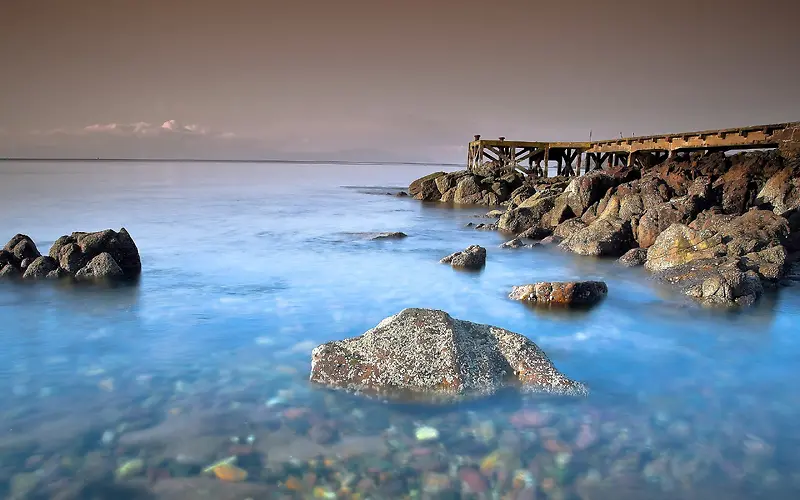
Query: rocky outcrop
{"x": 473, "y": 257}
{"x": 567, "y": 293}
{"x": 427, "y": 355}
{"x": 83, "y": 256}
{"x": 425, "y": 188}
{"x": 396, "y": 235}
{"x": 741, "y": 211}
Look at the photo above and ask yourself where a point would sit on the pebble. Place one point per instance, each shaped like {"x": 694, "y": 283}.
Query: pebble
{"x": 426, "y": 433}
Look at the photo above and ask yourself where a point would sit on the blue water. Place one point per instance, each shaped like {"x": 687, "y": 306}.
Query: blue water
{"x": 247, "y": 267}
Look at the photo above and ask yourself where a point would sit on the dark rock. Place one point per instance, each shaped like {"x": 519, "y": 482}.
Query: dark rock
{"x": 515, "y": 243}
{"x": 449, "y": 180}
{"x": 754, "y": 231}
{"x": 561, "y": 293}
{"x": 425, "y": 188}
{"x": 468, "y": 191}
{"x": 422, "y": 354}
{"x": 401, "y": 194}
{"x": 41, "y": 268}
{"x": 119, "y": 245}
{"x": 389, "y": 236}
{"x": 9, "y": 271}
{"x": 535, "y": 233}
{"x": 473, "y": 257}
{"x": 634, "y": 257}
{"x": 101, "y": 267}
{"x": 782, "y": 190}
{"x": 22, "y": 247}
{"x": 70, "y": 257}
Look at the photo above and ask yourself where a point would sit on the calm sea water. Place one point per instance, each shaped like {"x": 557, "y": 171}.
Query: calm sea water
{"x": 247, "y": 267}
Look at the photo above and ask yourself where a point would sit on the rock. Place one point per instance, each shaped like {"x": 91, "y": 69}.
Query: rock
{"x": 754, "y": 231}
{"x": 561, "y": 293}
{"x": 527, "y": 215}
{"x": 41, "y": 268}
{"x": 782, "y": 190}
{"x": 603, "y": 237}
{"x": 535, "y": 233}
{"x": 423, "y": 354}
{"x": 680, "y": 244}
{"x": 567, "y": 228}
{"x": 425, "y": 188}
{"x": 587, "y": 189}
{"x": 715, "y": 281}
{"x": 22, "y": 247}
{"x": 389, "y": 236}
{"x": 401, "y": 194}
{"x": 738, "y": 188}
{"x": 70, "y": 257}
{"x": 515, "y": 243}
{"x": 473, "y": 257}
{"x": 101, "y": 267}
{"x": 468, "y": 191}
{"x": 449, "y": 180}
{"x": 204, "y": 488}
{"x": 9, "y": 271}
{"x": 634, "y": 257}
{"x": 495, "y": 214}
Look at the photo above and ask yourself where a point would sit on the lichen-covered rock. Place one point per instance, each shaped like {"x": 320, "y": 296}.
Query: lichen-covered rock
{"x": 427, "y": 355}
{"x": 680, "y": 244}
{"x": 102, "y": 266}
{"x": 782, "y": 190}
{"x": 529, "y": 214}
{"x": 119, "y": 245}
{"x": 425, "y": 188}
{"x": 575, "y": 293}
{"x": 468, "y": 191}
{"x": 41, "y": 268}
{"x": 715, "y": 282}
{"x": 473, "y": 257}
{"x": 603, "y": 237}
{"x": 634, "y": 257}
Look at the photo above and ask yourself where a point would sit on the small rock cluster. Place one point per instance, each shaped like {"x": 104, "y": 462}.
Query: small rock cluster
{"x": 721, "y": 228}
{"x": 81, "y": 256}
{"x": 473, "y": 257}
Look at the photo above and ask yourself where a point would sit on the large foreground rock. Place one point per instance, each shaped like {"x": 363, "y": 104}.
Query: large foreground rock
{"x": 424, "y": 354}
{"x": 565, "y": 293}
{"x": 473, "y": 257}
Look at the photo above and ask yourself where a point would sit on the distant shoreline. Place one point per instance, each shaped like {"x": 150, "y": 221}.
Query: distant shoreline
{"x": 185, "y": 160}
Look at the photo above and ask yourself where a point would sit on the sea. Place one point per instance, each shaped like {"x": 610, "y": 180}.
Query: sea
{"x": 193, "y": 382}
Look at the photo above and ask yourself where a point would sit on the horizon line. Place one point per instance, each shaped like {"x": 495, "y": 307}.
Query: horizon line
{"x": 208, "y": 160}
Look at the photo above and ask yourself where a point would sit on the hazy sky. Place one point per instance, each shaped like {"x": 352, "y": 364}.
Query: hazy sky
{"x": 406, "y": 79}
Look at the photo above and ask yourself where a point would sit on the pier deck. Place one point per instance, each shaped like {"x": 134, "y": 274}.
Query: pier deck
{"x": 640, "y": 150}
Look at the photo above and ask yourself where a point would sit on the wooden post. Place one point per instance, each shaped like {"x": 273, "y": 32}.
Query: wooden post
{"x": 545, "y": 172}
{"x": 578, "y": 167}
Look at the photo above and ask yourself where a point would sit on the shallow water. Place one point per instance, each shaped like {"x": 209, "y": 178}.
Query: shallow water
{"x": 247, "y": 267}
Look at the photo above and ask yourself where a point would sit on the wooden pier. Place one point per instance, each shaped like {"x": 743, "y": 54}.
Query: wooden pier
{"x": 535, "y": 158}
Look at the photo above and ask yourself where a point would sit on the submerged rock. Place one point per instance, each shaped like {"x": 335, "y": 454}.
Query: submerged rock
{"x": 424, "y": 354}
{"x": 389, "y": 236}
{"x": 561, "y": 293}
{"x": 473, "y": 257}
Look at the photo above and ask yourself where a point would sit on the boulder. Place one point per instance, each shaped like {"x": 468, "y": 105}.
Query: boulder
{"x": 41, "y": 268}
{"x": 577, "y": 293}
{"x": 468, "y": 191}
{"x": 535, "y": 233}
{"x": 754, "y": 231}
{"x": 738, "y": 188}
{"x": 449, "y": 180}
{"x": 22, "y": 247}
{"x": 81, "y": 247}
{"x": 529, "y": 214}
{"x": 473, "y": 257}
{"x": 715, "y": 282}
{"x": 425, "y": 188}
{"x": 680, "y": 244}
{"x": 102, "y": 266}
{"x": 782, "y": 190}
{"x": 566, "y": 228}
{"x": 427, "y": 355}
{"x": 634, "y": 257}
{"x": 515, "y": 243}
{"x": 603, "y": 237}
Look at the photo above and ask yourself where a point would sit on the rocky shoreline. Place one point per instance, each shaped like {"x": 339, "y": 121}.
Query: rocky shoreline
{"x": 720, "y": 228}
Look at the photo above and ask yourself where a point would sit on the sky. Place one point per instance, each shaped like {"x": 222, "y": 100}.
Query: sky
{"x": 405, "y": 80}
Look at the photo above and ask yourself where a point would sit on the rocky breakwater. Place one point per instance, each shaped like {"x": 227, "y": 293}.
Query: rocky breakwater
{"x": 720, "y": 227}
{"x": 426, "y": 355}
{"x": 80, "y": 256}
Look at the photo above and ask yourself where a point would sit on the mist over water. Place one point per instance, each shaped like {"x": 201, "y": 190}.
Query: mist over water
{"x": 247, "y": 267}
